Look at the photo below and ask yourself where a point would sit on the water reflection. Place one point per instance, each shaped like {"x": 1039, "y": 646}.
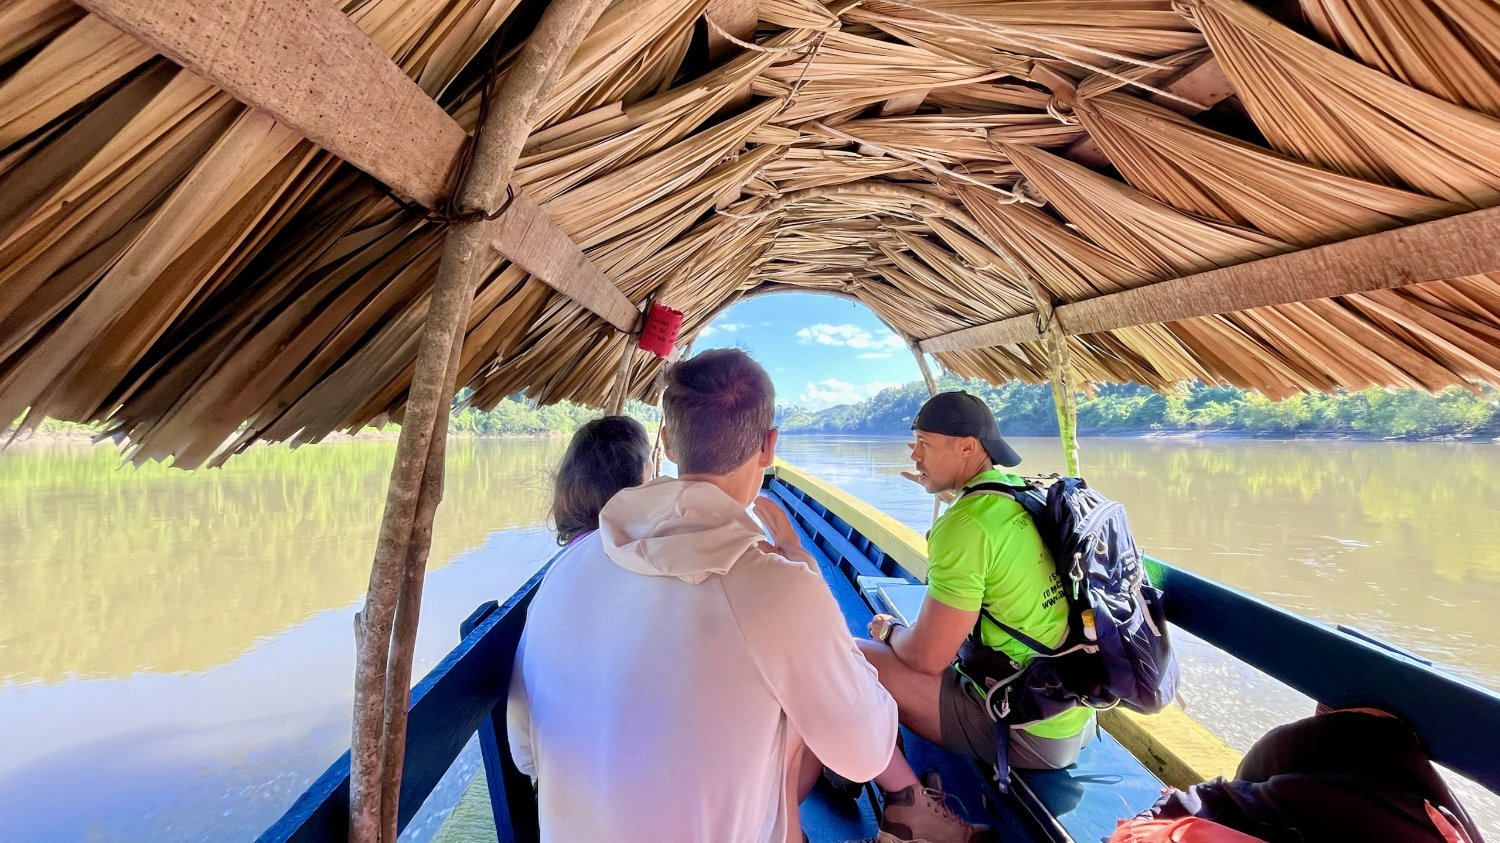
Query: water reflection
{"x": 176, "y": 650}
{"x": 176, "y": 654}
{"x": 1402, "y": 539}
{"x": 109, "y": 572}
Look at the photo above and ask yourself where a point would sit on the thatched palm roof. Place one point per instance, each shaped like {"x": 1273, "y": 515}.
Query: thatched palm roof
{"x": 193, "y": 271}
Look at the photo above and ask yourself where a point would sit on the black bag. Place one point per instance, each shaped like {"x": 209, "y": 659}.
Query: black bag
{"x": 1116, "y": 650}
{"x": 1351, "y": 776}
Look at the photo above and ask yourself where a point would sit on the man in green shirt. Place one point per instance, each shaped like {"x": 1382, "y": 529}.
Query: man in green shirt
{"x": 983, "y": 552}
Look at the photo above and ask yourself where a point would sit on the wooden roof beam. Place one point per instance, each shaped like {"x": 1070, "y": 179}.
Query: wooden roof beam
{"x": 311, "y": 68}
{"x": 1454, "y": 247}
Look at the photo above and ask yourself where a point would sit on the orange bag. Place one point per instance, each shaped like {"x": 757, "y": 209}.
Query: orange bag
{"x": 1180, "y": 830}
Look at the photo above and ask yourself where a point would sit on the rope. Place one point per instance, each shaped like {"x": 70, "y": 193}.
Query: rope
{"x": 1000, "y": 29}
{"x": 1007, "y": 198}
{"x": 728, "y": 36}
{"x": 445, "y": 212}
{"x": 797, "y": 86}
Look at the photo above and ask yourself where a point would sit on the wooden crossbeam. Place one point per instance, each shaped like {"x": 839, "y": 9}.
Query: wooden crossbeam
{"x": 526, "y": 235}
{"x": 1466, "y": 244}
{"x": 310, "y": 67}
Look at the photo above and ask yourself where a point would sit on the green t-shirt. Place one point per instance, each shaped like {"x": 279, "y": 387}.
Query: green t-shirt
{"x": 984, "y": 551}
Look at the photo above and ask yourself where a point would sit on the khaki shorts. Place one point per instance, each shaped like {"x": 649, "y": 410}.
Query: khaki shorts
{"x": 968, "y": 730}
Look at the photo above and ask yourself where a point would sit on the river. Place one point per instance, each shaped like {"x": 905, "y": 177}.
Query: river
{"x": 176, "y": 652}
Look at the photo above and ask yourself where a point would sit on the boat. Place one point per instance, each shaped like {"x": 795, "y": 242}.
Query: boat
{"x": 873, "y": 563}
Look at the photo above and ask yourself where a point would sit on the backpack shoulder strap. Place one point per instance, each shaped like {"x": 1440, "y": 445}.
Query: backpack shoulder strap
{"x": 1026, "y": 640}
{"x": 1031, "y": 498}
{"x": 1009, "y": 491}
{"x": 990, "y": 488}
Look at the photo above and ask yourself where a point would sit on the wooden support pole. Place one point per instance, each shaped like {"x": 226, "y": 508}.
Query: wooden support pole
{"x": 730, "y": 21}
{"x": 1058, "y": 367}
{"x": 416, "y": 478}
{"x": 526, "y": 235}
{"x": 328, "y": 81}
{"x": 310, "y": 67}
{"x": 1454, "y": 247}
{"x": 937, "y": 500}
{"x": 619, "y": 392}
{"x": 1063, "y": 400}
{"x": 926, "y": 370}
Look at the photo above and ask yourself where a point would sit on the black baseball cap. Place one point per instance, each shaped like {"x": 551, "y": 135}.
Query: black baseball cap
{"x": 962, "y": 414}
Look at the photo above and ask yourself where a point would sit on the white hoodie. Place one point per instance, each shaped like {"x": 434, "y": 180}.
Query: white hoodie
{"x": 667, "y": 666}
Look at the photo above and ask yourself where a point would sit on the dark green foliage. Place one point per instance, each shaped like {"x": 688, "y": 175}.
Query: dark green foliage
{"x": 516, "y": 416}
{"x": 1026, "y": 410}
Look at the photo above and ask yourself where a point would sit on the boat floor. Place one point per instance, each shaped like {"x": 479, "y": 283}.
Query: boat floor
{"x": 831, "y": 817}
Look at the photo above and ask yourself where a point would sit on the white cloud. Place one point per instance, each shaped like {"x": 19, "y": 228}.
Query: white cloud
{"x": 726, "y": 327}
{"x": 849, "y": 335}
{"x": 875, "y": 355}
{"x": 832, "y": 392}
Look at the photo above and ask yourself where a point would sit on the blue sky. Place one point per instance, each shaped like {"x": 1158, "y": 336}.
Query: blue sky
{"x": 820, "y": 350}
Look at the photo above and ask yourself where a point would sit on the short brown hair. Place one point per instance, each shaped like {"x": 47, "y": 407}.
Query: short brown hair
{"x": 717, "y": 409}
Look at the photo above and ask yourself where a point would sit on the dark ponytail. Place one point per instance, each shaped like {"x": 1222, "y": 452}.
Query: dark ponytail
{"x": 605, "y": 456}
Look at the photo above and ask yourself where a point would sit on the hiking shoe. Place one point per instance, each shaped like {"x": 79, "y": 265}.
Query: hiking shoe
{"x": 920, "y": 814}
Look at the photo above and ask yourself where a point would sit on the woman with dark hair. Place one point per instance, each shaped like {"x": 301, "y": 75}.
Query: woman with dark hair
{"x": 605, "y": 456}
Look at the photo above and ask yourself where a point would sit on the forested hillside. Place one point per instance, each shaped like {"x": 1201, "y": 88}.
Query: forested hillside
{"x": 1026, "y": 410}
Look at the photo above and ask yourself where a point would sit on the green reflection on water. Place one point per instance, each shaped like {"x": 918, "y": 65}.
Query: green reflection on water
{"x": 111, "y": 571}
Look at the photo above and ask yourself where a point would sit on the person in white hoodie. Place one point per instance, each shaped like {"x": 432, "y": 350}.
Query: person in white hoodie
{"x": 677, "y": 672}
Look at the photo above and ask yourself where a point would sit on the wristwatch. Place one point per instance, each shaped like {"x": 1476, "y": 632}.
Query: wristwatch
{"x": 890, "y": 626}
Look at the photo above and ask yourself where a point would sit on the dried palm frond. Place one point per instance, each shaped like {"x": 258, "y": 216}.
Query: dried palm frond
{"x": 1448, "y": 48}
{"x": 179, "y": 265}
{"x": 1089, "y": 35}
{"x": 843, "y": 72}
{"x": 1070, "y": 268}
{"x": 1215, "y": 176}
{"x": 1319, "y": 345}
{"x": 957, "y": 138}
{"x": 1316, "y": 105}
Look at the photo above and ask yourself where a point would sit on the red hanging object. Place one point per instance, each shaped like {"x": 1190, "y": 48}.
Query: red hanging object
{"x": 660, "y": 332}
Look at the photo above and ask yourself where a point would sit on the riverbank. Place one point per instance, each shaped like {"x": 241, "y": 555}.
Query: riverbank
{"x": 1195, "y": 410}
{"x": 1330, "y": 436}
{"x": 81, "y": 435}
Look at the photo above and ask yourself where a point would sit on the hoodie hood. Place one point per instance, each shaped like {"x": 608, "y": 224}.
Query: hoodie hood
{"x": 677, "y": 528}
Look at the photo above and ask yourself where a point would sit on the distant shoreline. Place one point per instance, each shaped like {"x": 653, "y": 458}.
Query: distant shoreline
{"x": 1190, "y": 434}
{"x": 83, "y": 438}
{"x": 78, "y": 438}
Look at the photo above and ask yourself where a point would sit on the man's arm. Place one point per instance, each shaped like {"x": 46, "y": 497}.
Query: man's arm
{"x": 932, "y": 642}
{"x": 833, "y": 700}
{"x": 957, "y": 551}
